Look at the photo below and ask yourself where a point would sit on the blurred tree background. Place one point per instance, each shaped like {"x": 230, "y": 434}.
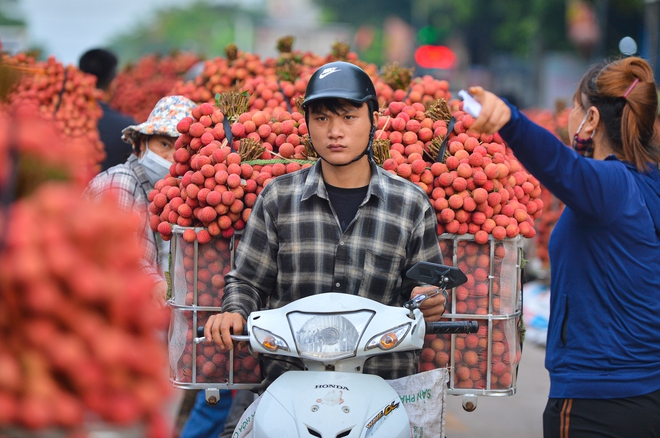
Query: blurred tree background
{"x": 523, "y": 27}
{"x": 518, "y": 47}
{"x": 487, "y": 27}
{"x": 200, "y": 27}
{"x": 510, "y": 45}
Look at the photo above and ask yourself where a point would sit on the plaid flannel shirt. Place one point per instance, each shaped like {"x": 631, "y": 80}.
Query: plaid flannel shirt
{"x": 131, "y": 186}
{"x": 293, "y": 247}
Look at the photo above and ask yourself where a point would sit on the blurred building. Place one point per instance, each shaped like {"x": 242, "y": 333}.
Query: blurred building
{"x": 14, "y": 38}
{"x": 13, "y": 31}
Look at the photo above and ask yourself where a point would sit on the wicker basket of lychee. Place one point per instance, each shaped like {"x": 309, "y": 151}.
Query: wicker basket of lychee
{"x": 485, "y": 203}
{"x": 224, "y": 157}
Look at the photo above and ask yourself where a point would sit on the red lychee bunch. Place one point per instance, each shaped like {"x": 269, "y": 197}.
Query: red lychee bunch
{"x": 223, "y": 74}
{"x": 211, "y": 185}
{"x": 67, "y": 96}
{"x": 80, "y": 330}
{"x": 476, "y": 187}
{"x": 139, "y": 86}
{"x": 33, "y": 152}
{"x": 396, "y": 83}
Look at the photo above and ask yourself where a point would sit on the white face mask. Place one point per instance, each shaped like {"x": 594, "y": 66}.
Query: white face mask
{"x": 155, "y": 166}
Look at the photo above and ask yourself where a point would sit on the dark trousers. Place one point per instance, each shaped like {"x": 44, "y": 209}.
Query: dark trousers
{"x": 631, "y": 417}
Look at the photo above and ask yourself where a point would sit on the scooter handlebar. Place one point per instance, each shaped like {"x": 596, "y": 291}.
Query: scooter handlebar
{"x": 200, "y": 331}
{"x": 239, "y": 338}
{"x": 440, "y": 327}
{"x": 452, "y": 327}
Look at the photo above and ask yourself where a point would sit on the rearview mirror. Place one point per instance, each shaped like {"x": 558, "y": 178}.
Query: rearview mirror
{"x": 437, "y": 274}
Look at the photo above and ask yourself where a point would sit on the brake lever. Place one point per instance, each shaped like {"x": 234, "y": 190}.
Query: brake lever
{"x": 417, "y": 301}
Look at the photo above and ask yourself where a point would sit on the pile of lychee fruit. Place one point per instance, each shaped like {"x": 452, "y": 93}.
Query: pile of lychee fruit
{"x": 82, "y": 339}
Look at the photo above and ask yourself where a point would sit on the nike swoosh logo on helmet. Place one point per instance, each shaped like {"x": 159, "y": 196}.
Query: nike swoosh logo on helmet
{"x": 328, "y": 71}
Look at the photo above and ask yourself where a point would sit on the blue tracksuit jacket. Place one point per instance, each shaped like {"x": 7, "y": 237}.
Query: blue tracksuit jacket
{"x": 604, "y": 327}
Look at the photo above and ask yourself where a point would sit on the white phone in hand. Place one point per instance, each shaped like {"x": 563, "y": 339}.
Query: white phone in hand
{"x": 470, "y": 104}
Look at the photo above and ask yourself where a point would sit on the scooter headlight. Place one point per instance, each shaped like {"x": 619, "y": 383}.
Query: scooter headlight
{"x": 328, "y": 336}
{"x": 389, "y": 339}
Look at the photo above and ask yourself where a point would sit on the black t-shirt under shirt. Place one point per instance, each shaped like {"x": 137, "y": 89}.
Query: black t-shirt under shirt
{"x": 346, "y": 202}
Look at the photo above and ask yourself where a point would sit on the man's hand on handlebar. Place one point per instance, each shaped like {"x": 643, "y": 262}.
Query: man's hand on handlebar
{"x": 221, "y": 326}
{"x": 433, "y": 307}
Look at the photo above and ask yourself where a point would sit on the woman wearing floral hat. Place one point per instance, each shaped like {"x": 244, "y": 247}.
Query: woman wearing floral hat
{"x": 153, "y": 149}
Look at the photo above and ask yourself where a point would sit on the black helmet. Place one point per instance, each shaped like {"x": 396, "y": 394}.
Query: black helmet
{"x": 341, "y": 80}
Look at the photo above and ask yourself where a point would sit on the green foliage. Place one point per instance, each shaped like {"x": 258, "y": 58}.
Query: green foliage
{"x": 497, "y": 25}
{"x": 363, "y": 12}
{"x": 428, "y": 35}
{"x": 6, "y": 21}
{"x": 200, "y": 28}
{"x": 8, "y": 15}
{"x": 374, "y": 54}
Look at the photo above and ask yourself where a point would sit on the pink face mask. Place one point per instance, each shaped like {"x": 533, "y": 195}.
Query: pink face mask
{"x": 583, "y": 146}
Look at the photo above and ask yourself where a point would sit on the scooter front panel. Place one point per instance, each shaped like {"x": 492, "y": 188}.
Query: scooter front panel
{"x": 330, "y": 405}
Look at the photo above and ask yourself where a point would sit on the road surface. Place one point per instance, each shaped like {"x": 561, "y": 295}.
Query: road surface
{"x": 516, "y": 416}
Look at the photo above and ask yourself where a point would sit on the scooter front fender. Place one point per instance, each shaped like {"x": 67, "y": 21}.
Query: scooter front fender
{"x": 309, "y": 404}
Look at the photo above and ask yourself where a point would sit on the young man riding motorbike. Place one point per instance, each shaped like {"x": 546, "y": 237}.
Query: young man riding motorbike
{"x": 343, "y": 225}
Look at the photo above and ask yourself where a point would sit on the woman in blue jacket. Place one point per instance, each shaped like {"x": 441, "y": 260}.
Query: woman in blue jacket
{"x": 603, "y": 347}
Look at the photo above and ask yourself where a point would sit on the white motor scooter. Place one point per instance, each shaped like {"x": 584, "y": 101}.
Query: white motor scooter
{"x": 334, "y": 334}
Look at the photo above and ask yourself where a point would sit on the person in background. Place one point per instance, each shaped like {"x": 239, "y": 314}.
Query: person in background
{"x": 102, "y": 63}
{"x": 603, "y": 343}
{"x": 152, "y": 145}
